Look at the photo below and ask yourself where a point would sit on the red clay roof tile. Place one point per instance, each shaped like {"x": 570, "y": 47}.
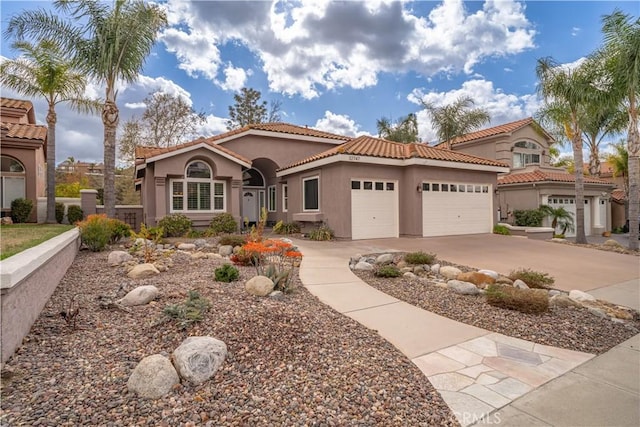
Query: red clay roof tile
{"x": 492, "y": 131}
{"x": 25, "y": 131}
{"x": 618, "y": 195}
{"x": 147, "y": 152}
{"x": 15, "y": 103}
{"x": 545, "y": 176}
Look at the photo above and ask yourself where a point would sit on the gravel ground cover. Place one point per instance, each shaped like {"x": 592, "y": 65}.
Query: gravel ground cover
{"x": 290, "y": 362}
{"x": 566, "y": 327}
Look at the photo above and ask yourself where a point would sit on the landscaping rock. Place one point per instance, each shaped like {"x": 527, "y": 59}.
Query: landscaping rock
{"x": 520, "y": 284}
{"x": 260, "y": 286}
{"x": 490, "y": 273}
{"x": 213, "y": 255}
{"x": 277, "y": 295}
{"x": 401, "y": 264}
{"x": 140, "y": 296}
{"x": 198, "y": 358}
{"x": 199, "y": 255}
{"x": 153, "y": 377}
{"x": 200, "y": 243}
{"x": 142, "y": 271}
{"x": 554, "y": 292}
{"x": 464, "y": 288}
{"x": 160, "y": 266}
{"x": 418, "y": 269}
{"x": 449, "y": 272}
{"x": 409, "y": 275}
{"x": 612, "y": 243}
{"x": 502, "y": 280}
{"x": 597, "y": 312}
{"x": 6, "y": 220}
{"x": 118, "y": 257}
{"x": 581, "y": 296}
{"x": 475, "y": 277}
{"x": 225, "y": 250}
{"x": 362, "y": 265}
{"x": 406, "y": 270}
{"x": 356, "y": 258}
{"x": 186, "y": 246}
{"x": 435, "y": 268}
{"x": 562, "y": 301}
{"x": 384, "y": 259}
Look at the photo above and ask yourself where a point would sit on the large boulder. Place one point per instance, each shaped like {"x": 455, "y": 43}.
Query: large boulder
{"x": 198, "y": 358}
{"x": 384, "y": 259}
{"x": 464, "y": 288}
{"x": 153, "y": 377}
{"x": 225, "y": 250}
{"x": 477, "y": 278}
{"x": 362, "y": 265}
{"x": 140, "y": 296}
{"x": 142, "y": 271}
{"x": 118, "y": 257}
{"x": 449, "y": 272}
{"x": 260, "y": 286}
{"x": 580, "y": 296}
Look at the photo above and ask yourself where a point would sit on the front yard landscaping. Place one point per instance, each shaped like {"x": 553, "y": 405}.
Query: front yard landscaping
{"x": 18, "y": 237}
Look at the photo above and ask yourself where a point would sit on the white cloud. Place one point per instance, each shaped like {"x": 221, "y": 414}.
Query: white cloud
{"x": 235, "y": 78}
{"x": 575, "y": 31}
{"x": 508, "y": 70}
{"x": 308, "y": 47}
{"x": 135, "y": 105}
{"x": 213, "y": 126}
{"x": 340, "y": 124}
{"x": 502, "y": 107}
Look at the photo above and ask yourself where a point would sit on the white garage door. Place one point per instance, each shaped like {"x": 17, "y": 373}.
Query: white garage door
{"x": 450, "y": 208}
{"x": 569, "y": 204}
{"x": 374, "y": 209}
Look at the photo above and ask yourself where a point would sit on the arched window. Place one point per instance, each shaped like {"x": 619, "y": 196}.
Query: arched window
{"x": 526, "y": 153}
{"x": 198, "y": 192}
{"x": 12, "y": 181}
{"x": 252, "y": 178}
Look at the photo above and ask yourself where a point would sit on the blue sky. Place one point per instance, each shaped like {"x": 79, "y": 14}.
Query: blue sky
{"x": 341, "y": 66}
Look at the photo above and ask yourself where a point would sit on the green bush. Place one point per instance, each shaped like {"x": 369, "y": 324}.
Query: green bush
{"x": 226, "y": 273}
{"x": 95, "y": 232}
{"x": 286, "y": 228}
{"x": 59, "y": 212}
{"x": 175, "y": 225}
{"x": 20, "y": 210}
{"x": 533, "y": 279}
{"x": 388, "y": 270}
{"x": 321, "y": 233}
{"x": 118, "y": 230}
{"x": 419, "y": 258}
{"x": 222, "y": 223}
{"x": 74, "y": 214}
{"x": 232, "y": 240}
{"x": 501, "y": 229}
{"x": 190, "y": 311}
{"x": 194, "y": 234}
{"x": 523, "y": 300}
{"x": 529, "y": 218}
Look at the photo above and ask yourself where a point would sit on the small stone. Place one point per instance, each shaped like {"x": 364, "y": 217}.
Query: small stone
{"x": 406, "y": 270}
{"x": 612, "y": 243}
{"x": 463, "y": 288}
{"x": 418, "y": 269}
{"x": 199, "y": 255}
{"x": 401, "y": 264}
{"x": 198, "y": 358}
{"x": 597, "y": 312}
{"x": 225, "y": 250}
{"x": 435, "y": 268}
{"x": 490, "y": 273}
{"x": 118, "y": 257}
{"x": 153, "y": 377}
{"x": 562, "y": 301}
{"x": 277, "y": 295}
{"x": 259, "y": 286}
{"x": 186, "y": 246}
{"x": 409, "y": 275}
{"x": 554, "y": 292}
{"x": 140, "y": 296}
{"x": 502, "y": 280}
{"x": 142, "y": 271}
{"x": 6, "y": 220}
{"x": 362, "y": 265}
{"x": 476, "y": 278}
{"x": 520, "y": 284}
{"x": 354, "y": 259}
{"x": 384, "y": 259}
{"x": 581, "y": 296}
{"x": 161, "y": 267}
{"x": 449, "y": 272}
{"x": 200, "y": 243}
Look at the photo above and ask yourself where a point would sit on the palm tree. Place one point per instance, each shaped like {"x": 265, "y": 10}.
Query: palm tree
{"x": 109, "y": 43}
{"x": 566, "y": 93}
{"x": 560, "y": 217}
{"x": 601, "y": 120}
{"x": 404, "y": 130}
{"x": 622, "y": 51}
{"x": 42, "y": 71}
{"x": 456, "y": 119}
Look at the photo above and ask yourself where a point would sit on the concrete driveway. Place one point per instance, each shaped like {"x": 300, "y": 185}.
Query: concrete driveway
{"x": 607, "y": 275}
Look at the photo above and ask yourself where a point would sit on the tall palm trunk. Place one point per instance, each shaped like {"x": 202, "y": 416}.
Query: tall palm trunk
{"x": 110, "y": 120}
{"x": 594, "y": 158}
{"x": 633, "y": 142}
{"x": 576, "y": 143}
{"x": 51, "y": 164}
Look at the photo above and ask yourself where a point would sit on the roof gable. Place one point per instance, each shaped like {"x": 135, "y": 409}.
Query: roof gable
{"x": 503, "y": 129}
{"x": 149, "y": 154}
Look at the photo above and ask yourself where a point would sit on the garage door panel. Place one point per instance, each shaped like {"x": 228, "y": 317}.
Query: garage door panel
{"x": 569, "y": 204}
{"x": 374, "y": 213}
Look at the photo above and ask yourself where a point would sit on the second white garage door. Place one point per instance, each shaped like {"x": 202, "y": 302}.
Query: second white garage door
{"x": 374, "y": 209}
{"x": 450, "y": 208}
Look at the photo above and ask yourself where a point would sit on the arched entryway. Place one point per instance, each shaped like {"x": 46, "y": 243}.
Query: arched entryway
{"x": 12, "y": 181}
{"x": 253, "y": 187}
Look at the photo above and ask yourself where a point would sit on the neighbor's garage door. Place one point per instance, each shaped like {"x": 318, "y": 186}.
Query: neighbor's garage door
{"x": 374, "y": 209}
{"x": 450, "y": 208}
{"x": 569, "y": 204}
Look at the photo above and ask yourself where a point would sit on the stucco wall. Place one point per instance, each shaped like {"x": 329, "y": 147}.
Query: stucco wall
{"x": 33, "y": 162}
{"x": 28, "y": 280}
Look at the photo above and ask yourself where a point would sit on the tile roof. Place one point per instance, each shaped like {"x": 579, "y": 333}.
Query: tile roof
{"x": 493, "y": 131}
{"x": 376, "y": 147}
{"x": 618, "y": 195}
{"x": 15, "y": 103}
{"x": 539, "y": 175}
{"x": 25, "y": 131}
{"x": 143, "y": 153}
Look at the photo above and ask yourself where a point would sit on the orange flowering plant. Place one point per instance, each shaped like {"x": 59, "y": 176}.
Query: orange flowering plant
{"x": 275, "y": 259}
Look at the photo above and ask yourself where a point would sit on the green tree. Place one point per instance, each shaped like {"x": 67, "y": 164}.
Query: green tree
{"x": 456, "y": 119}
{"x": 43, "y": 71}
{"x": 560, "y": 217}
{"x": 250, "y": 109}
{"x": 622, "y": 52}
{"x": 619, "y": 161}
{"x": 601, "y": 120}
{"x": 404, "y": 130}
{"x": 110, "y": 43}
{"x": 566, "y": 93}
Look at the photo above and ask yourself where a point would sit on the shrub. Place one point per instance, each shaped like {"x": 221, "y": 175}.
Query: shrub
{"x": 20, "y": 210}
{"x": 222, "y": 223}
{"x": 146, "y": 234}
{"x": 273, "y": 258}
{"x": 118, "y": 230}
{"x": 226, "y": 273}
{"x": 74, "y": 214}
{"x": 386, "y": 271}
{"x": 529, "y": 218}
{"x": 242, "y": 258}
{"x": 232, "y": 240}
{"x": 501, "y": 229}
{"x": 419, "y": 258}
{"x": 59, "y": 212}
{"x": 533, "y": 279}
{"x": 190, "y": 311}
{"x": 194, "y": 234}
{"x": 321, "y": 233}
{"x": 175, "y": 225}
{"x": 286, "y": 228}
{"x": 522, "y": 300}
{"x": 95, "y": 232}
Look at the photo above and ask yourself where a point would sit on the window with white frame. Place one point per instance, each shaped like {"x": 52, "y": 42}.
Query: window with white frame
{"x": 311, "y": 194}
{"x": 271, "y": 198}
{"x": 198, "y": 192}
{"x": 12, "y": 181}
{"x": 526, "y": 153}
{"x": 285, "y": 198}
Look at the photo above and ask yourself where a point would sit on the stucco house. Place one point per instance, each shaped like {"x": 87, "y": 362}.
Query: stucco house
{"x": 23, "y": 155}
{"x": 531, "y": 180}
{"x": 361, "y": 187}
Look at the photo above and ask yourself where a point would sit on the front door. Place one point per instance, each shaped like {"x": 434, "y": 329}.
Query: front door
{"x": 250, "y": 205}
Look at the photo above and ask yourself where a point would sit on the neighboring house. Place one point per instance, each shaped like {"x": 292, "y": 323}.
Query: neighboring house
{"x": 81, "y": 168}
{"x": 619, "y": 201}
{"x": 23, "y": 155}
{"x": 532, "y": 181}
{"x": 361, "y": 188}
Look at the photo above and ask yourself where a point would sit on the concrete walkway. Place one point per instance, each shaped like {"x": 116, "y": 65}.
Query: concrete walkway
{"x": 480, "y": 374}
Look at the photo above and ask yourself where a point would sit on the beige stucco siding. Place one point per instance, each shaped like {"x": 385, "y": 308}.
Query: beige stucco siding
{"x": 35, "y": 176}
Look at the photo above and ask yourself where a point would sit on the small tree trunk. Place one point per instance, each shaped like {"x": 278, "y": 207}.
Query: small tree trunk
{"x": 579, "y": 165}
{"x": 633, "y": 147}
{"x": 110, "y": 121}
{"x": 594, "y": 160}
{"x": 51, "y": 165}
